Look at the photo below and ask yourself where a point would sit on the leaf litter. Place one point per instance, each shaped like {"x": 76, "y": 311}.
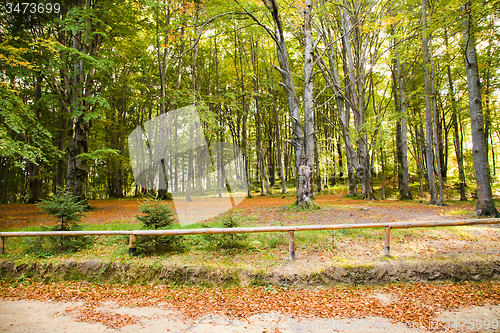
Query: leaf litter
{"x": 413, "y": 302}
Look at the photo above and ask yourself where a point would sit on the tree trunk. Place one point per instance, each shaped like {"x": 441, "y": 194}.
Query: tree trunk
{"x": 34, "y": 167}
{"x": 244, "y": 136}
{"x": 382, "y": 161}
{"x": 309, "y": 127}
{"x": 245, "y": 154}
{"x": 162, "y": 71}
{"x": 316, "y": 160}
{"x": 190, "y": 166}
{"x": 402, "y": 142}
{"x": 263, "y": 176}
{"x": 456, "y": 139}
{"x": 428, "y": 107}
{"x": 77, "y": 167}
{"x": 356, "y": 79}
{"x": 121, "y": 147}
{"x": 399, "y": 153}
{"x": 5, "y": 187}
{"x": 288, "y": 83}
{"x": 81, "y": 91}
{"x": 436, "y": 137}
{"x": 200, "y": 152}
{"x": 485, "y": 204}
{"x": 278, "y": 143}
{"x": 175, "y": 160}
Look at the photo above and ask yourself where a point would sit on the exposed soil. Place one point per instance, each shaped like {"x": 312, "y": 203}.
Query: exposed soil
{"x": 379, "y": 273}
{"x": 30, "y": 316}
{"x": 83, "y": 307}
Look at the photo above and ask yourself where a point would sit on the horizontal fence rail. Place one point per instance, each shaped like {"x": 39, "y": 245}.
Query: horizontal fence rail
{"x": 290, "y": 229}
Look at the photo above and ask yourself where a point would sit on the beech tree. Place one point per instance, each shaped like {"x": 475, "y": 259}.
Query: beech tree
{"x": 485, "y": 204}
{"x": 304, "y": 161}
{"x": 429, "y": 128}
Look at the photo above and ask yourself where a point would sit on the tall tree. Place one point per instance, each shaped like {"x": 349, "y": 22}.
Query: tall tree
{"x": 456, "y": 134}
{"x": 285, "y": 70}
{"x": 401, "y": 127}
{"x": 306, "y": 191}
{"x": 80, "y": 89}
{"x": 429, "y": 152}
{"x": 261, "y": 165}
{"x": 485, "y": 204}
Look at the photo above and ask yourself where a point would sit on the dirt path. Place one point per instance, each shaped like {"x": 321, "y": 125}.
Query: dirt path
{"x": 35, "y": 316}
{"x": 87, "y": 307}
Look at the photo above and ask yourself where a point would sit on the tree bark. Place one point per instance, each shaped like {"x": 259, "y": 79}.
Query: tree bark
{"x": 244, "y": 136}
{"x": 190, "y": 166}
{"x": 428, "y": 107}
{"x": 34, "y": 167}
{"x": 456, "y": 140}
{"x": 402, "y": 142}
{"x": 162, "y": 71}
{"x": 261, "y": 164}
{"x": 356, "y": 91}
{"x": 5, "y": 187}
{"x": 80, "y": 90}
{"x": 289, "y": 85}
{"x": 436, "y": 137}
{"x": 278, "y": 142}
{"x": 485, "y": 204}
{"x": 309, "y": 128}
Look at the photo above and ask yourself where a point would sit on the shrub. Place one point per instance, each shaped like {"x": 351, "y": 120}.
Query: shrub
{"x": 226, "y": 241}
{"x": 157, "y": 216}
{"x": 68, "y": 210}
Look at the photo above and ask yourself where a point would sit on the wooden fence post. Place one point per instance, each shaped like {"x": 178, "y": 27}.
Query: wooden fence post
{"x": 2, "y": 240}
{"x": 131, "y": 244}
{"x": 387, "y": 242}
{"x": 291, "y": 245}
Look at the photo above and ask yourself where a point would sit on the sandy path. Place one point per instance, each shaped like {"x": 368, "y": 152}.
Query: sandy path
{"x": 35, "y": 316}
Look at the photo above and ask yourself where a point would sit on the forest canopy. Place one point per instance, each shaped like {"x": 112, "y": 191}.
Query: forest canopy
{"x": 394, "y": 99}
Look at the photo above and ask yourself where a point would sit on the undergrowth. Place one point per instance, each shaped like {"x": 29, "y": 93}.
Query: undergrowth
{"x": 157, "y": 215}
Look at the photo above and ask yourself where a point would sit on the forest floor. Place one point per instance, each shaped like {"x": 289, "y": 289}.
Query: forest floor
{"x": 302, "y": 306}
{"x": 266, "y": 209}
{"x": 314, "y": 250}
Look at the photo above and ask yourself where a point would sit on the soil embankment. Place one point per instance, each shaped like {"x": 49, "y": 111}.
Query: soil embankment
{"x": 380, "y": 273}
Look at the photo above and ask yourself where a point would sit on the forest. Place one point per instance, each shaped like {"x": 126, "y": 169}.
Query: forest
{"x": 387, "y": 99}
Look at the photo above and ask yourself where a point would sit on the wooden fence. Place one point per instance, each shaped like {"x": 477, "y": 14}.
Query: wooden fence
{"x": 290, "y": 229}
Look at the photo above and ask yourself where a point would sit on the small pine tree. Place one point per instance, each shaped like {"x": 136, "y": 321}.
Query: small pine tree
{"x": 227, "y": 241}
{"x": 157, "y": 216}
{"x": 66, "y": 208}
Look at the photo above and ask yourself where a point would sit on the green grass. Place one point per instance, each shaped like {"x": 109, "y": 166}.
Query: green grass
{"x": 459, "y": 212}
{"x": 255, "y": 242}
{"x": 259, "y": 251}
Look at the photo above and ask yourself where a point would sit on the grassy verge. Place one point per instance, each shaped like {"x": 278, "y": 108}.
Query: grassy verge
{"x": 268, "y": 251}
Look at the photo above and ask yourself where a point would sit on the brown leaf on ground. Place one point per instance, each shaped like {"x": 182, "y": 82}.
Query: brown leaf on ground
{"x": 108, "y": 318}
{"x": 336, "y": 209}
{"x": 419, "y": 302}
